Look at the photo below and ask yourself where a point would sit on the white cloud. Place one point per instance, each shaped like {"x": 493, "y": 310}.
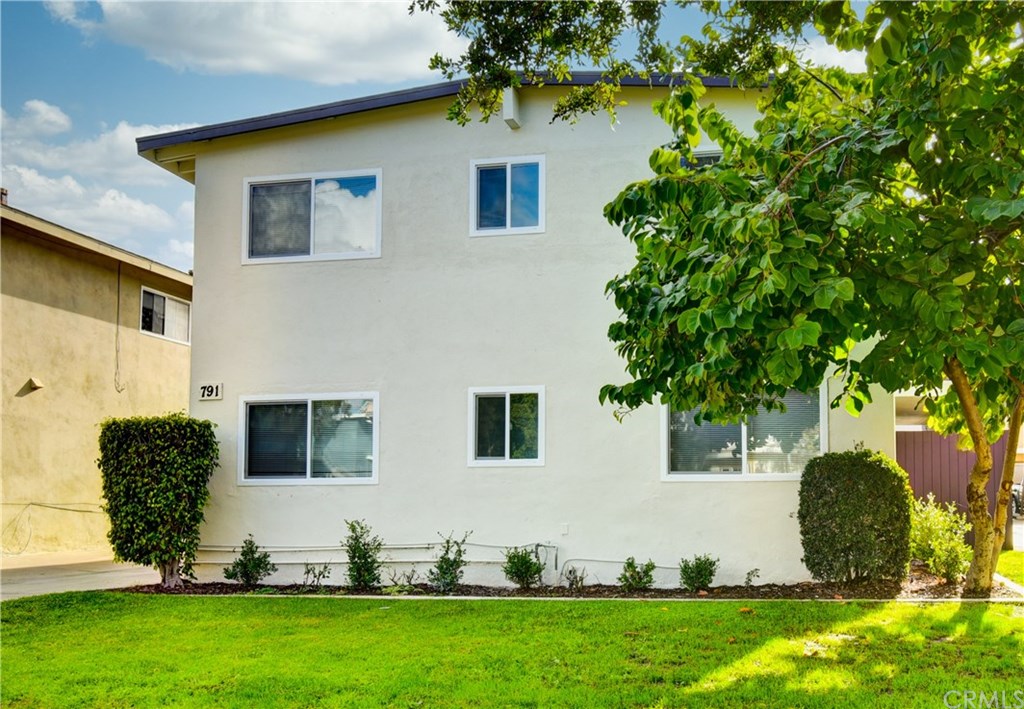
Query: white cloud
{"x": 327, "y": 43}
{"x": 111, "y": 155}
{"x": 103, "y": 213}
{"x": 820, "y": 53}
{"x": 67, "y": 12}
{"x": 38, "y": 118}
{"x": 179, "y": 248}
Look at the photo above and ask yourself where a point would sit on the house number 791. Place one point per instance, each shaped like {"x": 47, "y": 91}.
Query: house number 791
{"x": 211, "y": 392}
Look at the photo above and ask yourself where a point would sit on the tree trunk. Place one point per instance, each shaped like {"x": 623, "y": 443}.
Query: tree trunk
{"x": 170, "y": 574}
{"x": 1002, "y": 522}
{"x": 979, "y": 576}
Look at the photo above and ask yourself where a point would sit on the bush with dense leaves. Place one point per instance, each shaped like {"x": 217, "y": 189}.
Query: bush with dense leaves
{"x": 363, "y": 549}
{"x": 937, "y": 538}
{"x": 251, "y": 566}
{"x": 697, "y": 574}
{"x": 523, "y": 566}
{"x": 154, "y": 472}
{"x": 855, "y": 517}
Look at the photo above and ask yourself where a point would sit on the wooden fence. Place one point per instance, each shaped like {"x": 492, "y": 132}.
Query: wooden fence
{"x": 935, "y": 465}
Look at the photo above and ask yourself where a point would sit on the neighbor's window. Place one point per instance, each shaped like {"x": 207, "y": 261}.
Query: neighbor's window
{"x": 769, "y": 442}
{"x": 507, "y": 196}
{"x": 332, "y": 438}
{"x": 702, "y": 159}
{"x": 165, "y": 316}
{"x": 326, "y": 216}
{"x": 506, "y": 426}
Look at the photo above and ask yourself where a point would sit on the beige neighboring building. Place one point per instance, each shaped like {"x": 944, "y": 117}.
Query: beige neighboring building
{"x": 88, "y": 331}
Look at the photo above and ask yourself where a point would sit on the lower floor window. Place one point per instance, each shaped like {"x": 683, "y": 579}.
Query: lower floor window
{"x": 329, "y": 437}
{"x": 506, "y": 426}
{"x": 769, "y": 442}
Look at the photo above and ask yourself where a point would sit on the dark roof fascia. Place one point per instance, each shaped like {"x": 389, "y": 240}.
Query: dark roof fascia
{"x": 370, "y": 103}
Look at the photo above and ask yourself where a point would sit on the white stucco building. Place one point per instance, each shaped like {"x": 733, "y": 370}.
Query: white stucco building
{"x": 401, "y": 320}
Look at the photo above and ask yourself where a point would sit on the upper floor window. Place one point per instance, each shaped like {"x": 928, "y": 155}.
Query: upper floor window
{"x": 506, "y": 426}
{"x": 507, "y": 196}
{"x": 768, "y": 443}
{"x": 313, "y": 217}
{"x": 324, "y": 438}
{"x": 165, "y": 316}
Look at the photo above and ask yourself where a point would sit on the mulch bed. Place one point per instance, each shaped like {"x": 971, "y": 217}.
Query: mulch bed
{"x": 919, "y": 585}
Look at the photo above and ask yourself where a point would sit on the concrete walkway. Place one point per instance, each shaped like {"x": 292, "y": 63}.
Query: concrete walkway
{"x": 36, "y": 574}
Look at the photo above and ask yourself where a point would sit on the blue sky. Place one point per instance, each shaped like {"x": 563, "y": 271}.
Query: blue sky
{"x": 80, "y": 81}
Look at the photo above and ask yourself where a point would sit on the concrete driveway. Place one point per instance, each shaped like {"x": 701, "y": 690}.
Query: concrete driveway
{"x": 37, "y": 574}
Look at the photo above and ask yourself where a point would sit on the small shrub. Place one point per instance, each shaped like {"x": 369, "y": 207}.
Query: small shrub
{"x": 749, "y": 579}
{"x": 937, "y": 538}
{"x": 575, "y": 579}
{"x": 523, "y": 566}
{"x": 403, "y": 578}
{"x": 251, "y": 566}
{"x": 854, "y": 517}
{"x": 364, "y": 562}
{"x": 697, "y": 574}
{"x": 636, "y": 578}
{"x": 402, "y": 582}
{"x": 446, "y": 574}
{"x": 313, "y": 576}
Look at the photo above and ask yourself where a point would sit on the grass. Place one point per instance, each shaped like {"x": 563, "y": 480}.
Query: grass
{"x": 1011, "y": 565}
{"x": 108, "y": 649}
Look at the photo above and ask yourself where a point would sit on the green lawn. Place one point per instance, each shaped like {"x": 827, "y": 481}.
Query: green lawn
{"x": 1011, "y": 565}
{"x": 107, "y": 649}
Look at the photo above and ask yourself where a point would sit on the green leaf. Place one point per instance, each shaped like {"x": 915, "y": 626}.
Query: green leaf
{"x": 853, "y": 406}
{"x": 964, "y": 278}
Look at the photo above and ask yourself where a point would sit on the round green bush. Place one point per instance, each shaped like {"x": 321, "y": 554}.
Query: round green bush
{"x": 855, "y": 517}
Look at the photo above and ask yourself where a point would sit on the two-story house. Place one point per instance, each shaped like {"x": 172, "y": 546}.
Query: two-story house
{"x": 402, "y": 320}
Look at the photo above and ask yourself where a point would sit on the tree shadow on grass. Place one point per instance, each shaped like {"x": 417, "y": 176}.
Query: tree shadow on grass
{"x": 866, "y": 655}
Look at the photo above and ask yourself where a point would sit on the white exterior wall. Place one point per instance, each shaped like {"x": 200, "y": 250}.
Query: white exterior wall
{"x": 441, "y": 312}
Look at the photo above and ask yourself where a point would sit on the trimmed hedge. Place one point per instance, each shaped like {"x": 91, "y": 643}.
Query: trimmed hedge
{"x": 855, "y": 517}
{"x": 155, "y": 471}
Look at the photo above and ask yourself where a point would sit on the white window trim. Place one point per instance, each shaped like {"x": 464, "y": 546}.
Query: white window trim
{"x": 154, "y": 291}
{"x": 508, "y": 162}
{"x": 243, "y": 427}
{"x": 471, "y": 459}
{"x": 744, "y": 475}
{"x": 247, "y": 184}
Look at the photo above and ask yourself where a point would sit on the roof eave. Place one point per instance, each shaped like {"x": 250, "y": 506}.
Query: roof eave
{"x": 176, "y": 151}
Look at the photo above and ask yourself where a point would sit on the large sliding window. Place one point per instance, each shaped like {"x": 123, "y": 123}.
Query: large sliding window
{"x": 313, "y": 217}
{"x": 325, "y": 438}
{"x": 506, "y": 426}
{"x": 768, "y": 444}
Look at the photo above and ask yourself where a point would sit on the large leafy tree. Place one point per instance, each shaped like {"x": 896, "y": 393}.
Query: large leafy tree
{"x": 884, "y": 208}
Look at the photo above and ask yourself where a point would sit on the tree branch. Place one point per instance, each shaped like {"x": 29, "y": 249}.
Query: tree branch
{"x": 831, "y": 89}
{"x": 784, "y": 183}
